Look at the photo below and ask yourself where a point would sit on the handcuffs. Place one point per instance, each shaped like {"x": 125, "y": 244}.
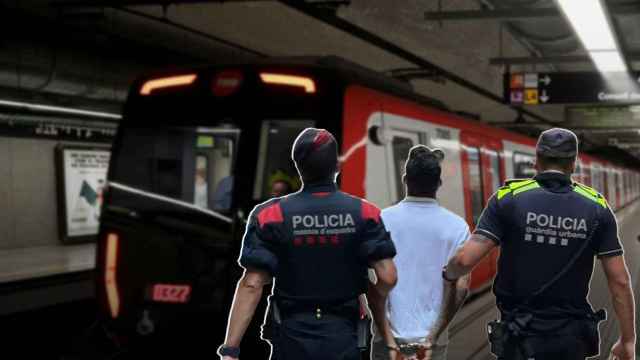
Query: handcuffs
{"x": 409, "y": 348}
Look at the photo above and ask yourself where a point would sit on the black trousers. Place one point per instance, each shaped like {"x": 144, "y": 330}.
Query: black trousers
{"x": 304, "y": 337}
{"x": 548, "y": 348}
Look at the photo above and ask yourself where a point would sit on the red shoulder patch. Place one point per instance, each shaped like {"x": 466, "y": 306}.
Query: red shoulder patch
{"x": 370, "y": 211}
{"x": 270, "y": 214}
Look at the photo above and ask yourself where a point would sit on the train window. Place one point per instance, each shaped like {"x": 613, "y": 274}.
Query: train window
{"x": 475, "y": 182}
{"x": 494, "y": 169}
{"x": 274, "y": 160}
{"x": 523, "y": 165}
{"x": 400, "y": 147}
{"x": 184, "y": 163}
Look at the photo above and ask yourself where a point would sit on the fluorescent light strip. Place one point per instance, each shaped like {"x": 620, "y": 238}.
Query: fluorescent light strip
{"x": 608, "y": 61}
{"x": 59, "y": 109}
{"x": 590, "y": 23}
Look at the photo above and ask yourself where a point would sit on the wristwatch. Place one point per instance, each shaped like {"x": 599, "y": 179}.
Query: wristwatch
{"x": 224, "y": 350}
{"x": 444, "y": 275}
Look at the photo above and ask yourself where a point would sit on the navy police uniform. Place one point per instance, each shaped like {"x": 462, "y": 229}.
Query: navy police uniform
{"x": 317, "y": 243}
{"x": 540, "y": 224}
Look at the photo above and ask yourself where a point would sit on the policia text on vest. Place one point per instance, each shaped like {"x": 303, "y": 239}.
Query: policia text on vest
{"x": 318, "y": 244}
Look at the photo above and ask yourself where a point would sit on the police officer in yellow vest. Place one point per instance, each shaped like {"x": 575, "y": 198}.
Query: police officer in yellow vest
{"x": 549, "y": 230}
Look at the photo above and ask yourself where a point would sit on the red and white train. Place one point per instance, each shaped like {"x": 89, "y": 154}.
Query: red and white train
{"x": 198, "y": 148}
{"x": 478, "y": 159}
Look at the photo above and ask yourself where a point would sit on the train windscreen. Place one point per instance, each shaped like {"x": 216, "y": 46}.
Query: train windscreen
{"x": 276, "y": 174}
{"x": 188, "y": 164}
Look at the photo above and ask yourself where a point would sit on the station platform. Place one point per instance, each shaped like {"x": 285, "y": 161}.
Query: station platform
{"x": 468, "y": 333}
{"x": 36, "y": 262}
{"x": 38, "y": 277}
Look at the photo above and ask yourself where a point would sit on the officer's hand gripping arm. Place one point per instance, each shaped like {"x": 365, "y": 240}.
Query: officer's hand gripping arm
{"x": 247, "y": 297}
{"x": 622, "y": 295}
{"x": 469, "y": 255}
{"x": 377, "y": 295}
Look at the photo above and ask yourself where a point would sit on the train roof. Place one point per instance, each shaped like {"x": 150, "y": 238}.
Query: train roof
{"x": 345, "y": 70}
{"x": 352, "y": 73}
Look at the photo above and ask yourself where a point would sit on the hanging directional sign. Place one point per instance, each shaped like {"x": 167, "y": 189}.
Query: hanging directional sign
{"x": 571, "y": 88}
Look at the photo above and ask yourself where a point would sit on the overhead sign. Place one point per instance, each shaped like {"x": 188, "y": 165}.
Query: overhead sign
{"x": 608, "y": 117}
{"x": 571, "y": 88}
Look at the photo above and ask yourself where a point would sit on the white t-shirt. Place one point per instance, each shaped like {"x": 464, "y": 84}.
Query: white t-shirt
{"x": 426, "y": 236}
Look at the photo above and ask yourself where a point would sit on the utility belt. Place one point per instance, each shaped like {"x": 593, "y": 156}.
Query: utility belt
{"x": 349, "y": 309}
{"x": 520, "y": 329}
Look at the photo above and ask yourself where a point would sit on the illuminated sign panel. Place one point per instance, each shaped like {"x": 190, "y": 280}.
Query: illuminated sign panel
{"x": 571, "y": 88}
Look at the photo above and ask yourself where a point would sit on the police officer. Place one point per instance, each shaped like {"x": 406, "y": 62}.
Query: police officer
{"x": 318, "y": 244}
{"x": 549, "y": 230}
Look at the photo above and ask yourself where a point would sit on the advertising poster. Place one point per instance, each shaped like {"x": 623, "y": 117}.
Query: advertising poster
{"x": 84, "y": 172}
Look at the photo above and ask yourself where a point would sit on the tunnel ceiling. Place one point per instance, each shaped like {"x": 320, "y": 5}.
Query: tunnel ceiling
{"x": 198, "y": 31}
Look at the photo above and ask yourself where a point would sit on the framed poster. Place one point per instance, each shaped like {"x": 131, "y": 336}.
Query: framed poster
{"x": 81, "y": 174}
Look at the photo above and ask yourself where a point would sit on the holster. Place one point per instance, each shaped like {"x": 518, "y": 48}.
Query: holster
{"x": 510, "y": 331}
{"x": 364, "y": 333}
{"x": 590, "y": 332}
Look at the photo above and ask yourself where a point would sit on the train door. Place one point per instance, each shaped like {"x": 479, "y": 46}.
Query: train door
{"x": 482, "y": 174}
{"x": 586, "y": 173}
{"x": 397, "y": 151}
{"x": 609, "y": 186}
{"x": 619, "y": 187}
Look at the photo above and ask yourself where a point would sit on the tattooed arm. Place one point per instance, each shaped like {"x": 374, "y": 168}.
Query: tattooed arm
{"x": 469, "y": 256}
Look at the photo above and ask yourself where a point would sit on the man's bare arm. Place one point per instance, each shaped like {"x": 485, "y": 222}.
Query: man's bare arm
{"x": 377, "y": 296}
{"x": 247, "y": 297}
{"x": 619, "y": 282}
{"x": 469, "y": 255}
{"x": 453, "y": 296}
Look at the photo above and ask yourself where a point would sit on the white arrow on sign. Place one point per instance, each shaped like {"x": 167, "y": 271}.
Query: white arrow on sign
{"x": 546, "y": 80}
{"x": 544, "y": 97}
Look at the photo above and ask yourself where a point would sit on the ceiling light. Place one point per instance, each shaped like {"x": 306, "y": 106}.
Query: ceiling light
{"x": 589, "y": 21}
{"x": 608, "y": 61}
{"x": 59, "y": 109}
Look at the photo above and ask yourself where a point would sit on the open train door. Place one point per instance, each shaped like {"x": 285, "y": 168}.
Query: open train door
{"x": 400, "y": 142}
{"x": 482, "y": 174}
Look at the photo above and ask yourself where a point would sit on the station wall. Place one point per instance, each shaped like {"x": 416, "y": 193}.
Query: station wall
{"x": 28, "y": 192}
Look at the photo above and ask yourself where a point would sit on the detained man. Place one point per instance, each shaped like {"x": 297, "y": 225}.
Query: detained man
{"x": 426, "y": 235}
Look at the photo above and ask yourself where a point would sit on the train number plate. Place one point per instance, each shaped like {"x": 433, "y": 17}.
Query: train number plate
{"x": 178, "y": 294}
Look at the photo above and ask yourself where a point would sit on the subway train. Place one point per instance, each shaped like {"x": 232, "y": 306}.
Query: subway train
{"x": 198, "y": 148}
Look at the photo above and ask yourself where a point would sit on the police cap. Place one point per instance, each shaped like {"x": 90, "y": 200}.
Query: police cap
{"x": 557, "y": 143}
